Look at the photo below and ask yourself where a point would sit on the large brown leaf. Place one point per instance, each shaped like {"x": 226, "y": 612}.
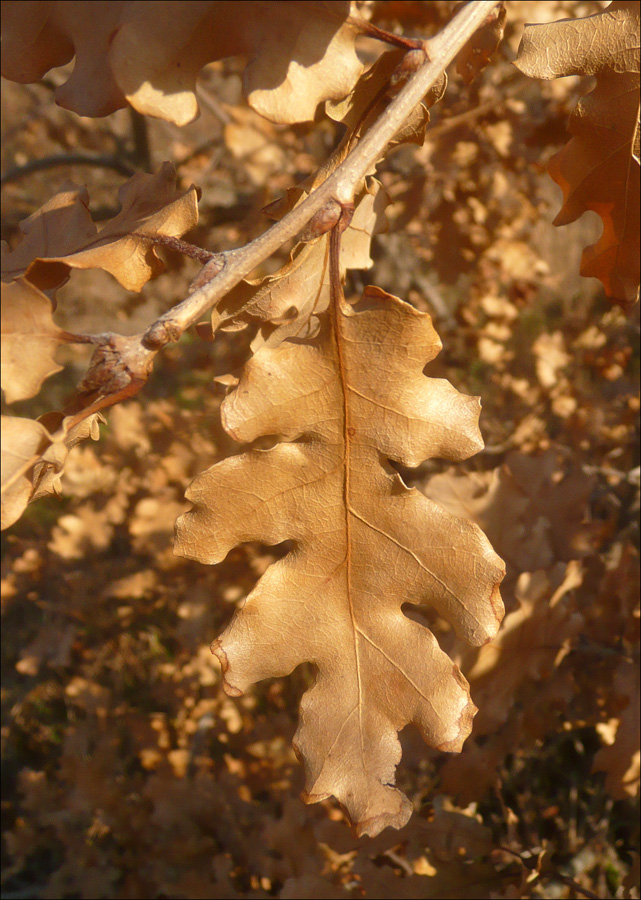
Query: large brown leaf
{"x": 599, "y": 168}
{"x": 364, "y": 545}
{"x": 149, "y": 54}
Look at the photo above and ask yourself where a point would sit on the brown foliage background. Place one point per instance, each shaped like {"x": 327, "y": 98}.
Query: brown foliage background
{"x": 126, "y": 771}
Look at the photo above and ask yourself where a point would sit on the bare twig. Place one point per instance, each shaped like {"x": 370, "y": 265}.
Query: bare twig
{"x": 576, "y": 887}
{"x": 141, "y": 152}
{"x": 68, "y": 159}
{"x": 121, "y": 366}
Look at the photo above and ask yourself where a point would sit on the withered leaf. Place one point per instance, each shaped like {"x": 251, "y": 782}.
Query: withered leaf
{"x": 299, "y": 53}
{"x": 365, "y": 544}
{"x": 374, "y": 91}
{"x": 48, "y": 467}
{"x": 29, "y": 340}
{"x": 62, "y": 235}
{"x": 476, "y": 54}
{"x": 38, "y": 38}
{"x": 33, "y": 456}
{"x": 22, "y": 441}
{"x": 599, "y": 168}
{"x": 289, "y": 301}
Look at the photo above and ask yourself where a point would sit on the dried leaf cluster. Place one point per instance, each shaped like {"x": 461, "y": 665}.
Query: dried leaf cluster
{"x": 382, "y": 601}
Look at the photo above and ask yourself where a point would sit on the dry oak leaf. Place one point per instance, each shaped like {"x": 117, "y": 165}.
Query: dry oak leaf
{"x": 22, "y": 441}
{"x": 33, "y": 457}
{"x": 599, "y": 168}
{"x": 364, "y": 545}
{"x": 29, "y": 340}
{"x": 149, "y": 54}
{"x": 476, "y": 54}
{"x": 48, "y": 468}
{"x": 62, "y": 235}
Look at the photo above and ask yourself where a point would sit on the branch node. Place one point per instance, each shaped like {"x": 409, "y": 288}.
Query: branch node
{"x": 322, "y": 221}
{"x": 213, "y": 267}
{"x": 161, "y": 332}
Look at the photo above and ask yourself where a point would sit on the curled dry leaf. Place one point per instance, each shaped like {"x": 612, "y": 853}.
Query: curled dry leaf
{"x": 476, "y": 54}
{"x": 374, "y": 90}
{"x": 289, "y": 301}
{"x": 48, "y": 467}
{"x": 23, "y": 440}
{"x": 364, "y": 545}
{"x": 38, "y": 38}
{"x": 29, "y": 340}
{"x": 59, "y": 237}
{"x": 299, "y": 53}
{"x": 599, "y": 168}
{"x": 62, "y": 235}
{"x": 33, "y": 455}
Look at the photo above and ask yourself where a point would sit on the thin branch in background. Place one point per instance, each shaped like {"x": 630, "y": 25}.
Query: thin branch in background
{"x": 141, "y": 154}
{"x": 68, "y": 159}
{"x": 530, "y": 863}
{"x": 213, "y": 105}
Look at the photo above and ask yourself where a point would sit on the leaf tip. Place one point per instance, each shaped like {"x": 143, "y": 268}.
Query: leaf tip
{"x": 217, "y": 650}
{"x": 496, "y": 602}
{"x": 398, "y": 819}
{"x": 465, "y": 718}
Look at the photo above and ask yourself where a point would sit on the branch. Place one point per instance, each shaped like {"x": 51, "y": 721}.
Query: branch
{"x": 121, "y": 366}
{"x": 235, "y": 265}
